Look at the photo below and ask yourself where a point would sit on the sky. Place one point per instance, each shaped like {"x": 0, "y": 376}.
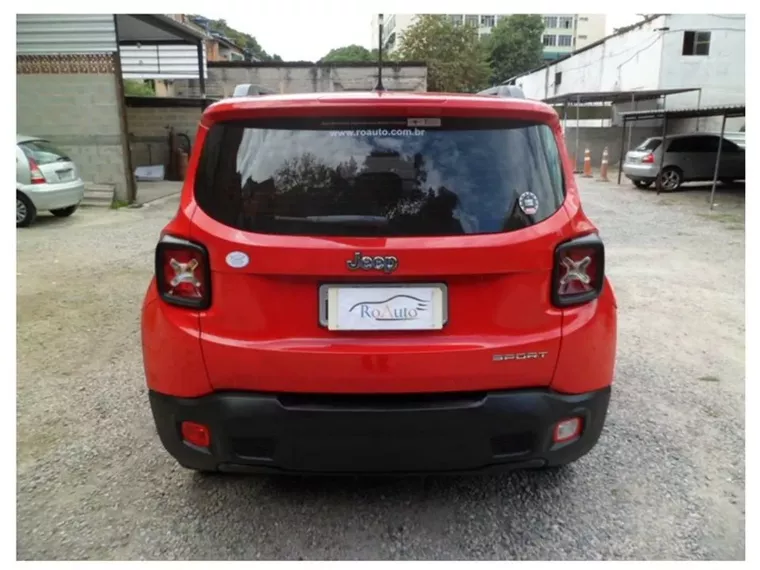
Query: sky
{"x": 334, "y": 24}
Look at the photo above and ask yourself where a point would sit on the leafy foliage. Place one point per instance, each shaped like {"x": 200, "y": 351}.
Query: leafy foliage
{"x": 138, "y": 88}
{"x": 349, "y": 53}
{"x": 245, "y": 41}
{"x": 514, "y": 46}
{"x": 455, "y": 57}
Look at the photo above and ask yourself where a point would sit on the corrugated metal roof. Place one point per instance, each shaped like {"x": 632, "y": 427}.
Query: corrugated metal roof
{"x": 615, "y": 96}
{"x": 161, "y": 62}
{"x": 42, "y": 34}
{"x": 733, "y": 110}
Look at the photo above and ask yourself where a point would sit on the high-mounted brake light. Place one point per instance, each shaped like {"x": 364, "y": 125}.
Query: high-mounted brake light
{"x": 648, "y": 159}
{"x": 183, "y": 274}
{"x": 34, "y": 170}
{"x": 578, "y": 271}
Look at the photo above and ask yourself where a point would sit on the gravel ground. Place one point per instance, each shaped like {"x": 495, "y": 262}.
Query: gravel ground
{"x": 666, "y": 480}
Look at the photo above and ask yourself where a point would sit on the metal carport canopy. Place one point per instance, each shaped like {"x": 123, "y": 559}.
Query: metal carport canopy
{"x": 159, "y": 31}
{"x": 615, "y": 96}
{"x": 725, "y": 111}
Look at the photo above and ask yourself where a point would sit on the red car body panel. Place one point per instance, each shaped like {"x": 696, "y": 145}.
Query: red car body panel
{"x": 262, "y": 331}
{"x": 277, "y": 391}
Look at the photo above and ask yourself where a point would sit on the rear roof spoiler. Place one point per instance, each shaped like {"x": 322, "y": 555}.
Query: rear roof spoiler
{"x": 250, "y": 90}
{"x": 511, "y": 91}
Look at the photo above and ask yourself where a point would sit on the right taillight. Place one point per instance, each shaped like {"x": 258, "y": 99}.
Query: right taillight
{"x": 36, "y": 173}
{"x": 578, "y": 275}
{"x": 183, "y": 275}
{"x": 648, "y": 159}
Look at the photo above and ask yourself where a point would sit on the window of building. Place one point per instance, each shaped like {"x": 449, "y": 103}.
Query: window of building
{"x": 550, "y": 22}
{"x": 696, "y": 43}
{"x": 582, "y": 37}
{"x": 583, "y": 19}
{"x": 472, "y": 20}
{"x": 566, "y": 22}
{"x": 565, "y": 41}
{"x": 456, "y": 19}
{"x": 549, "y": 40}
{"x": 487, "y": 21}
{"x": 558, "y": 78}
{"x": 391, "y": 24}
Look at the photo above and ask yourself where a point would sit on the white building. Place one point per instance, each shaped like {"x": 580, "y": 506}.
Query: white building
{"x": 564, "y": 33}
{"x": 667, "y": 51}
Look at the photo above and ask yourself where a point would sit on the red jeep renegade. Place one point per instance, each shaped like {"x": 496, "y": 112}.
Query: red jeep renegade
{"x": 379, "y": 283}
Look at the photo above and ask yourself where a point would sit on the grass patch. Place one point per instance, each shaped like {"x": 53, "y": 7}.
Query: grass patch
{"x": 116, "y": 204}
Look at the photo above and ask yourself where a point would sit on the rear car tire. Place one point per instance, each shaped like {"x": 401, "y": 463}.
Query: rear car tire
{"x": 64, "y": 212}
{"x": 26, "y": 213}
{"x": 670, "y": 178}
{"x": 642, "y": 183}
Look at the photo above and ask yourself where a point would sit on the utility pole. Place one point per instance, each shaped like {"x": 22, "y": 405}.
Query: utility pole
{"x": 379, "y": 86}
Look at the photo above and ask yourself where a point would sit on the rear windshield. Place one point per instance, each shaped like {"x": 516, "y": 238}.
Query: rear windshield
{"x": 388, "y": 177}
{"x": 649, "y": 144}
{"x": 43, "y": 152}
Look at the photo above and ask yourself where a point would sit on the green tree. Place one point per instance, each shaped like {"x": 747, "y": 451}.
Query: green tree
{"x": 348, "y": 53}
{"x": 245, "y": 41}
{"x": 454, "y": 56}
{"x": 515, "y": 46}
{"x": 138, "y": 88}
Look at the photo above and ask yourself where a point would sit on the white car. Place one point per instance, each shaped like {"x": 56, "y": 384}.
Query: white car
{"x": 46, "y": 179}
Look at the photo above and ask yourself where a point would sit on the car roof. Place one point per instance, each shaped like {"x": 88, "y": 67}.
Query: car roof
{"x": 26, "y": 138}
{"x": 363, "y": 99}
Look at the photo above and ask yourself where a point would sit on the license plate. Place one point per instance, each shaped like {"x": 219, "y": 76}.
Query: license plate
{"x": 65, "y": 174}
{"x": 383, "y": 308}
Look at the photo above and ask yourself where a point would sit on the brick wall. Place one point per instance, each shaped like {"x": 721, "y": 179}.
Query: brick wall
{"x": 148, "y": 141}
{"x": 308, "y": 78}
{"x": 73, "y": 103}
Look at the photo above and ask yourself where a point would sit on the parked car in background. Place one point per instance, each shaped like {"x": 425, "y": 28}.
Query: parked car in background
{"x": 689, "y": 158}
{"x": 46, "y": 179}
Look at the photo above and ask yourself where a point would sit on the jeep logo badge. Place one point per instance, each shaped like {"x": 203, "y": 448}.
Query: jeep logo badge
{"x": 384, "y": 263}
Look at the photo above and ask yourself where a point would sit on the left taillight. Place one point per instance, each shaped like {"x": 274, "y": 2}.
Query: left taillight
{"x": 183, "y": 274}
{"x": 35, "y": 172}
{"x": 578, "y": 275}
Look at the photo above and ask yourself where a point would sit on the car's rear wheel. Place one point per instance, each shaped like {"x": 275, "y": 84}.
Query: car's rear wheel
{"x": 25, "y": 211}
{"x": 671, "y": 178}
{"x": 642, "y": 183}
{"x": 64, "y": 212}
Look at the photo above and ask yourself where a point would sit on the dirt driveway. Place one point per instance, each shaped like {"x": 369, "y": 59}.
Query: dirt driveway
{"x": 665, "y": 482}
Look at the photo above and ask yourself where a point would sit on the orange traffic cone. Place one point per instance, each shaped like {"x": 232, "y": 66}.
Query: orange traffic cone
{"x": 587, "y": 164}
{"x": 603, "y": 169}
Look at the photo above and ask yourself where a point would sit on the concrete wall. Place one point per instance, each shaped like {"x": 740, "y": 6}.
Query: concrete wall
{"x": 720, "y": 74}
{"x": 148, "y": 136}
{"x": 595, "y": 139}
{"x": 74, "y": 104}
{"x": 625, "y": 62}
{"x": 308, "y": 78}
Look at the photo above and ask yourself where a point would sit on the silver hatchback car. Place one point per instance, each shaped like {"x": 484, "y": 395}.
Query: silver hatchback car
{"x": 689, "y": 158}
{"x": 46, "y": 179}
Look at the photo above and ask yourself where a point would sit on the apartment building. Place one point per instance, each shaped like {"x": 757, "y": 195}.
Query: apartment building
{"x": 564, "y": 33}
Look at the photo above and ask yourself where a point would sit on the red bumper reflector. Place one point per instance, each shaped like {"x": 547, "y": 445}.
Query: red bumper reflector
{"x": 196, "y": 434}
{"x": 567, "y": 430}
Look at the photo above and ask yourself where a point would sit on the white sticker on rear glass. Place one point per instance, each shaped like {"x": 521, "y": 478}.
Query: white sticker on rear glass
{"x": 237, "y": 259}
{"x": 423, "y": 122}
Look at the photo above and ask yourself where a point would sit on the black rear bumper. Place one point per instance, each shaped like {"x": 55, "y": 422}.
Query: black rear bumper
{"x": 378, "y": 434}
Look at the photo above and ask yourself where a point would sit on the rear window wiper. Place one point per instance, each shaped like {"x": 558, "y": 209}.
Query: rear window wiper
{"x": 337, "y": 219}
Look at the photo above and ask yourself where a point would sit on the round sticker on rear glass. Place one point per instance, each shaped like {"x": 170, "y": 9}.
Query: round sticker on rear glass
{"x": 528, "y": 203}
{"x": 237, "y": 259}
